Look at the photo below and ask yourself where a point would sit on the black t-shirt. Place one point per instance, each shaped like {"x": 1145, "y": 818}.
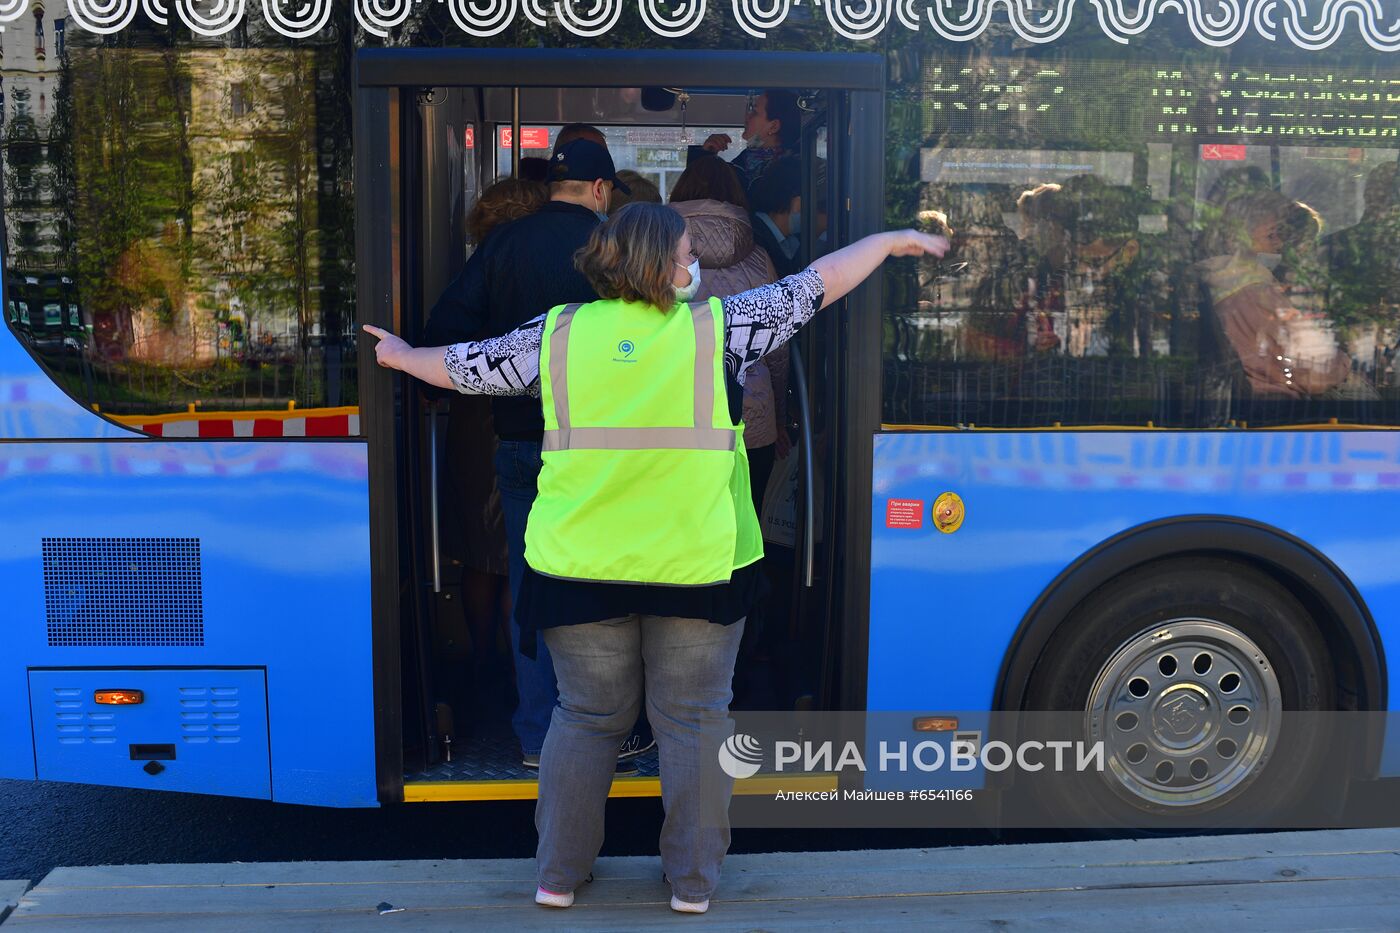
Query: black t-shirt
{"x": 523, "y": 269}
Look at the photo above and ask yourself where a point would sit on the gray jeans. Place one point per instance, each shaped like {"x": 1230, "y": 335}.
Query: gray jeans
{"x": 688, "y": 668}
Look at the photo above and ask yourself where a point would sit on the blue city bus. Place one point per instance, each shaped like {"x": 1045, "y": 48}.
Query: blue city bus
{"x": 1131, "y": 442}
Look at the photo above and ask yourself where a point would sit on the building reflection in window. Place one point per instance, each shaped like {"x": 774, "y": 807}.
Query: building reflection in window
{"x": 179, "y": 205}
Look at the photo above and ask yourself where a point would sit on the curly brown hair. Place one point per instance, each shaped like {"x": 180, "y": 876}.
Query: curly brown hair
{"x": 631, "y": 255}
{"x": 710, "y": 178}
{"x": 507, "y": 199}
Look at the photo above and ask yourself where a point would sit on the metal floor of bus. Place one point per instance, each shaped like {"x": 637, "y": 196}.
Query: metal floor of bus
{"x": 487, "y": 766}
{"x": 495, "y": 756}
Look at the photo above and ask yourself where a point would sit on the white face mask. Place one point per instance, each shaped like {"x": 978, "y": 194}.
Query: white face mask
{"x": 687, "y": 292}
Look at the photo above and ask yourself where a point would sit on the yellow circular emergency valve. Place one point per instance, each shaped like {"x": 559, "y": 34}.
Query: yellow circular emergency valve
{"x": 948, "y": 512}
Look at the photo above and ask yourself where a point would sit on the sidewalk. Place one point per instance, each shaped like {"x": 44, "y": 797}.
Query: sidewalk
{"x": 1326, "y": 880}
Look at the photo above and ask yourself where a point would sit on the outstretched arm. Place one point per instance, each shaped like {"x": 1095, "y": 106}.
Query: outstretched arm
{"x": 426, "y": 363}
{"x": 761, "y": 320}
{"x": 846, "y": 268}
{"x": 505, "y": 365}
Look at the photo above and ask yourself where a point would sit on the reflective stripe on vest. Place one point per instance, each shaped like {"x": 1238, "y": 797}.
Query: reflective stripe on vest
{"x": 703, "y": 436}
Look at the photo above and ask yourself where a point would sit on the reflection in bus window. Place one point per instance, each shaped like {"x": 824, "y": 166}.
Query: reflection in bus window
{"x": 1138, "y": 244}
{"x": 179, "y": 249}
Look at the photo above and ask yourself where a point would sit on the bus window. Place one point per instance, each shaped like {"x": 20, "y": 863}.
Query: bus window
{"x": 206, "y": 274}
{"x": 1159, "y": 250}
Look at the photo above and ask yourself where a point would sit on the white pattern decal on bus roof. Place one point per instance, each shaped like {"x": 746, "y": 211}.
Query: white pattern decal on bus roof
{"x": 1215, "y": 23}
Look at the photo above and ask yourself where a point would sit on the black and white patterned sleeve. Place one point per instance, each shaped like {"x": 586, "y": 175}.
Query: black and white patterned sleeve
{"x": 760, "y": 320}
{"x": 505, "y": 365}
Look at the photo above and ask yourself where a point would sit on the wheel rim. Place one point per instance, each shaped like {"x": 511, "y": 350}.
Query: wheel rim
{"x": 1188, "y": 712}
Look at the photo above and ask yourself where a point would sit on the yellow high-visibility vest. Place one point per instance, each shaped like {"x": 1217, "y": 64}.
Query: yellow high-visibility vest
{"x": 645, "y": 477}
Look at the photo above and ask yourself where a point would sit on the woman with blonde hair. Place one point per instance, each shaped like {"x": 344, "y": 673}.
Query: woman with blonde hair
{"x": 642, "y": 542}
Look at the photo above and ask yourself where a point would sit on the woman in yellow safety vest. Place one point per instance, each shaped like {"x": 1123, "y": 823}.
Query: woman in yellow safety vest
{"x": 641, "y": 546}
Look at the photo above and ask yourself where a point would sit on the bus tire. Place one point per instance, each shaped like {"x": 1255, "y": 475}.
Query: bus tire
{"x": 1183, "y": 668}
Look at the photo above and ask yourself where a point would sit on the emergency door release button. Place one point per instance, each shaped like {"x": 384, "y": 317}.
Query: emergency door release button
{"x": 948, "y": 512}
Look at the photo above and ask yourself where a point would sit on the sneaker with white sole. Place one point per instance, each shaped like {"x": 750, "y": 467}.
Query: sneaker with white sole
{"x": 686, "y": 907}
{"x": 550, "y": 899}
{"x": 634, "y": 746}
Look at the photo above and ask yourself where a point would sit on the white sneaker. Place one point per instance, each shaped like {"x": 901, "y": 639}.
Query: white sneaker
{"x": 688, "y": 907}
{"x": 550, "y": 899}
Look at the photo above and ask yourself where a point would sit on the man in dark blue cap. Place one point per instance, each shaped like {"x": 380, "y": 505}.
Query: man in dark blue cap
{"x": 521, "y": 271}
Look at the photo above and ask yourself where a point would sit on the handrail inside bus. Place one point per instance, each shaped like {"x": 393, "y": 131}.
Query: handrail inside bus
{"x": 560, "y": 68}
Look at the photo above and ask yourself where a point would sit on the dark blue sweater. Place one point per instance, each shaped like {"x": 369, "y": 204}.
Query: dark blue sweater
{"x": 523, "y": 269}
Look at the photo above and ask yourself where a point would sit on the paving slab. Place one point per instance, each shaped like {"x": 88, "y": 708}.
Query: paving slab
{"x": 10, "y": 893}
{"x": 1333, "y": 880}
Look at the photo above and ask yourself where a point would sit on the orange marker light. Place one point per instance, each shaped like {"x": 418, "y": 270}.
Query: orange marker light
{"x": 118, "y": 697}
{"x": 935, "y": 723}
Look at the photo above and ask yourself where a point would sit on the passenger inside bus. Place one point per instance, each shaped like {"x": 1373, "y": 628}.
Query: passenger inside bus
{"x": 525, "y": 266}
{"x": 459, "y": 669}
{"x": 639, "y": 188}
{"x": 1084, "y": 246}
{"x": 772, "y": 121}
{"x": 709, "y": 196}
{"x": 1360, "y": 288}
{"x": 477, "y": 527}
{"x": 776, "y": 199}
{"x": 1254, "y": 252}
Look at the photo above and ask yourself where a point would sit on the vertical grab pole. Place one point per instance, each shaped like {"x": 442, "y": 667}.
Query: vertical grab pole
{"x": 809, "y": 536}
{"x": 515, "y": 139}
{"x": 433, "y": 487}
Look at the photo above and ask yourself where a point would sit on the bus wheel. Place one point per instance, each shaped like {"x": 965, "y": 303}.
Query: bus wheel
{"x": 1185, "y": 670}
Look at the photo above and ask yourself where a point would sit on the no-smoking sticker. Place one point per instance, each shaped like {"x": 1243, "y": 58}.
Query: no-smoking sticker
{"x": 904, "y": 513}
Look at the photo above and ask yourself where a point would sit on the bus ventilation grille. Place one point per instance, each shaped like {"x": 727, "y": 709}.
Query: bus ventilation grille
{"x": 123, "y": 592}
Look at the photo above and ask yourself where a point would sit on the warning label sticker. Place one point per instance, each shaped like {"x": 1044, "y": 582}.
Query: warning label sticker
{"x": 904, "y": 513}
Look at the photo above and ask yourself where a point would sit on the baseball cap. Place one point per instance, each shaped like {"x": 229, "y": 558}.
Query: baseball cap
{"x": 584, "y": 160}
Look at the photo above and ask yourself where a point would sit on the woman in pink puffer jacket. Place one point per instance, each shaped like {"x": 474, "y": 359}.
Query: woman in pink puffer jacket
{"x": 711, "y": 198}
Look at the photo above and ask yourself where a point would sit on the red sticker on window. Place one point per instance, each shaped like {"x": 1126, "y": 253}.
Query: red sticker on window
{"x": 532, "y": 137}
{"x": 904, "y": 513}
{"x": 1213, "y": 152}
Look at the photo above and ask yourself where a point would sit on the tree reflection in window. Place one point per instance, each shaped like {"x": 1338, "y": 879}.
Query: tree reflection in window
{"x": 180, "y": 214}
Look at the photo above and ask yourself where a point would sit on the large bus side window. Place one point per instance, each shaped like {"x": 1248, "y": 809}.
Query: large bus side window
{"x": 180, "y": 240}
{"x": 1139, "y": 245}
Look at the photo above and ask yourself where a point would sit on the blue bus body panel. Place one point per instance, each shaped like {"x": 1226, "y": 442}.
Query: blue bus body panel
{"x": 944, "y": 607}
{"x": 33, "y": 407}
{"x": 283, "y": 532}
{"x": 205, "y": 730}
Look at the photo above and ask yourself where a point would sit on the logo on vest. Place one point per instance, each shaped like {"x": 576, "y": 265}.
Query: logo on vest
{"x": 625, "y": 349}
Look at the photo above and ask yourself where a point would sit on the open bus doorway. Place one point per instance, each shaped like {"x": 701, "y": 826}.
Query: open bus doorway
{"x": 446, "y": 143}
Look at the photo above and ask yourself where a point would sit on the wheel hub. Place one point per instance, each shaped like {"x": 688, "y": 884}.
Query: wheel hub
{"x": 1188, "y": 712}
{"x": 1182, "y": 716}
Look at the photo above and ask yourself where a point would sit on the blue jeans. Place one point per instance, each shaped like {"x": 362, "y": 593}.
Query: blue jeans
{"x": 517, "y": 476}
{"x": 688, "y": 667}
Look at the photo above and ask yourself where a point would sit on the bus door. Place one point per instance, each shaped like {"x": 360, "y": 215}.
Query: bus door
{"x": 435, "y": 128}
